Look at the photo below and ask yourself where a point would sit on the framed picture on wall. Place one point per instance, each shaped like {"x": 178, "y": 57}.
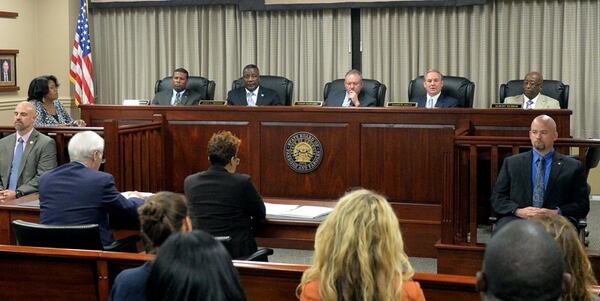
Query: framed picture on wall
{"x": 8, "y": 70}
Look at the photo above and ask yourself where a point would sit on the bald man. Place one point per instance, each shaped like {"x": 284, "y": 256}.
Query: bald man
{"x": 531, "y": 97}
{"x": 540, "y": 181}
{"x": 522, "y": 262}
{"x": 24, "y": 155}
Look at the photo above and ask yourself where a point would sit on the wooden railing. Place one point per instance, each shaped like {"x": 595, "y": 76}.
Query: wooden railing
{"x": 30, "y": 273}
{"x": 135, "y": 154}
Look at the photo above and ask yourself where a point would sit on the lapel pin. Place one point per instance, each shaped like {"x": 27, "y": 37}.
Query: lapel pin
{"x": 30, "y": 142}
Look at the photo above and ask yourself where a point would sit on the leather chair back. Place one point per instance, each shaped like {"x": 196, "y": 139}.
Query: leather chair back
{"x": 283, "y": 86}
{"x": 553, "y": 88}
{"x": 371, "y": 87}
{"x": 70, "y": 237}
{"x": 198, "y": 84}
{"x": 458, "y": 87}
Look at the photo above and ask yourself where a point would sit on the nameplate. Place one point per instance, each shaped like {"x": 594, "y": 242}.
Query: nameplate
{"x": 401, "y": 105}
{"x": 308, "y": 103}
{"x": 500, "y": 105}
{"x": 136, "y": 102}
{"x": 213, "y": 103}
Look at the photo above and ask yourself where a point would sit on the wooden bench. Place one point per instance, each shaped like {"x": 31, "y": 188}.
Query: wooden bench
{"x": 29, "y": 273}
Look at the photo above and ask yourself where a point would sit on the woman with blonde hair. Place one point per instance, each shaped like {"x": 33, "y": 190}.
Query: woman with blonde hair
{"x": 576, "y": 261}
{"x": 359, "y": 254}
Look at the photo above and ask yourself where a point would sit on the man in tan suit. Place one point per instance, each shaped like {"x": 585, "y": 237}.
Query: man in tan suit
{"x": 531, "y": 97}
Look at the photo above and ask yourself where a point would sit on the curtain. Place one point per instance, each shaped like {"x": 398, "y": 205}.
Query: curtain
{"x": 134, "y": 47}
{"x": 490, "y": 44}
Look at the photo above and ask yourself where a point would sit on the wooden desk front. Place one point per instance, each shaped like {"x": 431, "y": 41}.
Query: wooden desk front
{"x": 406, "y": 154}
{"x": 270, "y": 233}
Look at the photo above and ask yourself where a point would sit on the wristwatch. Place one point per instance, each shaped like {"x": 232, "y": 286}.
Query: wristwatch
{"x": 19, "y": 194}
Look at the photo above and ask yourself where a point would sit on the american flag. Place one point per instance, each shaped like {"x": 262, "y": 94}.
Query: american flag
{"x": 81, "y": 60}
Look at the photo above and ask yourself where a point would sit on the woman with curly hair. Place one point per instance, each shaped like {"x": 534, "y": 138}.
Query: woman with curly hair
{"x": 359, "y": 254}
{"x": 43, "y": 94}
{"x": 576, "y": 261}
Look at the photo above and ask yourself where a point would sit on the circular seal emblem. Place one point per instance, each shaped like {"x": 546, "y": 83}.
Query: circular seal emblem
{"x": 303, "y": 152}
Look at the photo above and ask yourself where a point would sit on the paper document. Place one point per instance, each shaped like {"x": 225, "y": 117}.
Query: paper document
{"x": 129, "y": 194}
{"x": 308, "y": 212}
{"x": 276, "y": 209}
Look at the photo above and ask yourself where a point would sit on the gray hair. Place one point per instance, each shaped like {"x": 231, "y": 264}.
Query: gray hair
{"x": 83, "y": 145}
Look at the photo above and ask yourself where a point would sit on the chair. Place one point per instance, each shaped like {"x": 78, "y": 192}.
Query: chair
{"x": 201, "y": 85}
{"x": 70, "y": 237}
{"x": 458, "y": 87}
{"x": 262, "y": 254}
{"x": 371, "y": 87}
{"x": 283, "y": 86}
{"x": 553, "y": 88}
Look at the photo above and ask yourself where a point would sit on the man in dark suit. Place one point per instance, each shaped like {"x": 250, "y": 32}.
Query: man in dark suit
{"x": 5, "y": 71}
{"x": 252, "y": 93}
{"x": 434, "y": 82}
{"x": 24, "y": 155}
{"x": 353, "y": 95}
{"x": 540, "y": 181}
{"x": 77, "y": 193}
{"x": 179, "y": 95}
{"x": 222, "y": 202}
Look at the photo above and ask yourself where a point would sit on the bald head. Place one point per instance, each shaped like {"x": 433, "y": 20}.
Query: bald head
{"x": 543, "y": 134}
{"x": 522, "y": 262}
{"x": 24, "y": 117}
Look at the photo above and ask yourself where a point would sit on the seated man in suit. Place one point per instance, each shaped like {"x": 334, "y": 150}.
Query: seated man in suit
{"x": 252, "y": 93}
{"x": 531, "y": 97}
{"x": 77, "y": 193}
{"x": 223, "y": 202}
{"x": 523, "y": 262}
{"x": 434, "y": 82}
{"x": 353, "y": 96}
{"x": 179, "y": 95}
{"x": 540, "y": 181}
{"x": 24, "y": 155}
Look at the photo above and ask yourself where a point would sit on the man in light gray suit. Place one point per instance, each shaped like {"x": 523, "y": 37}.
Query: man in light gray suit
{"x": 531, "y": 97}
{"x": 24, "y": 155}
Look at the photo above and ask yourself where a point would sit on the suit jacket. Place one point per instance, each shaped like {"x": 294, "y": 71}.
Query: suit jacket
{"x": 73, "y": 194}
{"x": 4, "y": 78}
{"x": 567, "y": 187}
{"x": 443, "y": 101}
{"x": 130, "y": 284}
{"x": 189, "y": 98}
{"x": 543, "y": 101}
{"x": 336, "y": 99}
{"x": 38, "y": 157}
{"x": 224, "y": 204}
{"x": 266, "y": 97}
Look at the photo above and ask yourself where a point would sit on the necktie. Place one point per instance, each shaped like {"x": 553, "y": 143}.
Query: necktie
{"x": 538, "y": 190}
{"x": 529, "y": 104}
{"x": 430, "y": 103}
{"x": 16, "y": 163}
{"x": 177, "y": 98}
{"x": 347, "y": 102}
{"x": 250, "y": 99}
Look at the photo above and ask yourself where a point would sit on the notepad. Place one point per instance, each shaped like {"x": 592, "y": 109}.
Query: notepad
{"x": 279, "y": 211}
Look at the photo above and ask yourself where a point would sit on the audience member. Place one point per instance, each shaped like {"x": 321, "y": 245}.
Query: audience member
{"x": 531, "y": 97}
{"x": 77, "y": 193}
{"x": 24, "y": 155}
{"x": 522, "y": 263}
{"x": 163, "y": 214}
{"x": 353, "y": 95}
{"x": 179, "y": 95}
{"x": 576, "y": 260}
{"x": 540, "y": 181}
{"x": 193, "y": 267}
{"x": 223, "y": 202}
{"x": 434, "y": 98}
{"x": 252, "y": 93}
{"x": 359, "y": 254}
{"x": 43, "y": 94}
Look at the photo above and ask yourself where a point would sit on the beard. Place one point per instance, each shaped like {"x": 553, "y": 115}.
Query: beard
{"x": 539, "y": 145}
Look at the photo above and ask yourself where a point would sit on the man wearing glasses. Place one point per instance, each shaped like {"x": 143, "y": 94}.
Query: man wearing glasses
{"x": 541, "y": 181}
{"x": 77, "y": 193}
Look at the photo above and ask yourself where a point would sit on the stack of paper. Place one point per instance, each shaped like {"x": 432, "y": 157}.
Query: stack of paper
{"x": 276, "y": 211}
